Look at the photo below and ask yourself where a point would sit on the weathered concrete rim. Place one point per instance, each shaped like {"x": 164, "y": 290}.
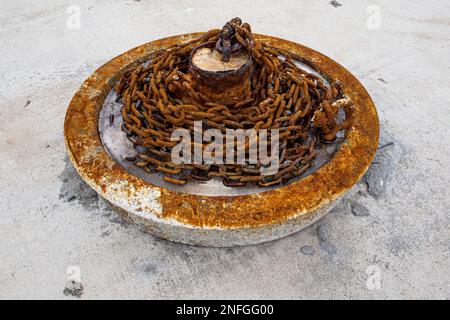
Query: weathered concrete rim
{"x": 295, "y": 203}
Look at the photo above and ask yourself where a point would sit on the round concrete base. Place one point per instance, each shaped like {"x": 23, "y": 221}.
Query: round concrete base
{"x": 219, "y": 220}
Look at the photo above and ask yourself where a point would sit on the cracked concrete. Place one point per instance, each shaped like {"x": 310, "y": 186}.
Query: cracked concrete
{"x": 51, "y": 222}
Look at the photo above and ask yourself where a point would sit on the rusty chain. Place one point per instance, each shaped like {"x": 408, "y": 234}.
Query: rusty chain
{"x": 283, "y": 96}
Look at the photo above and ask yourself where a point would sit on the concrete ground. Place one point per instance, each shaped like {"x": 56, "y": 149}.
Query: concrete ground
{"x": 389, "y": 239}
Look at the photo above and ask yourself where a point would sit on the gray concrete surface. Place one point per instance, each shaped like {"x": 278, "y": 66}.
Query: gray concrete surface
{"x": 390, "y": 239}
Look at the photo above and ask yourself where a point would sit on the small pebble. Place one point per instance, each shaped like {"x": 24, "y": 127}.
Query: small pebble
{"x": 335, "y": 4}
{"x": 359, "y": 210}
{"x": 307, "y": 250}
{"x": 323, "y": 232}
{"x": 73, "y": 286}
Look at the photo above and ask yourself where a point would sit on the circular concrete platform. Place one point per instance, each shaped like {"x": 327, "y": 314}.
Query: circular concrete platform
{"x": 220, "y": 219}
